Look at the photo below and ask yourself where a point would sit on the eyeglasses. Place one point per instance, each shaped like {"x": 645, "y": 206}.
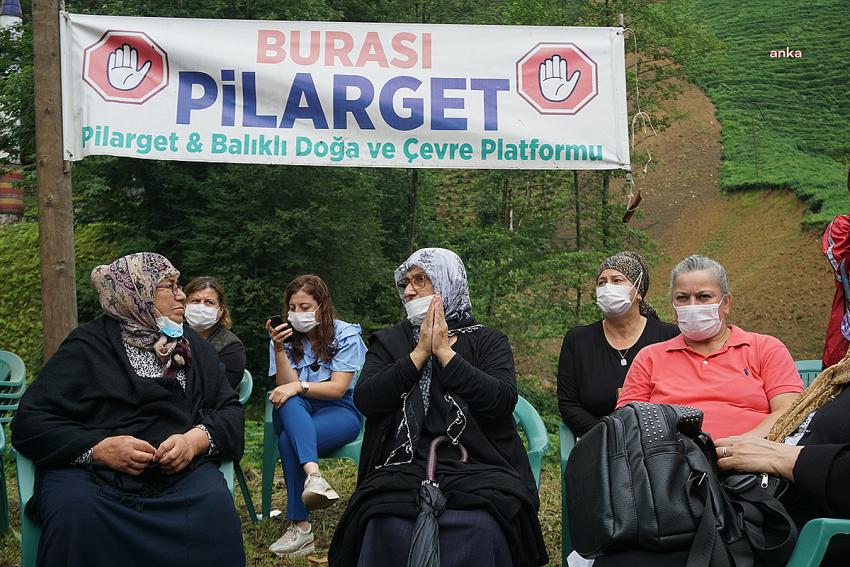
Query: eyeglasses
{"x": 418, "y": 281}
{"x": 173, "y": 286}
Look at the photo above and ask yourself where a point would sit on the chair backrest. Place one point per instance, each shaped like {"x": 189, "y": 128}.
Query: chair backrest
{"x": 809, "y": 370}
{"x": 12, "y": 384}
{"x": 527, "y": 419}
{"x": 246, "y": 386}
{"x": 567, "y": 441}
{"x": 12, "y": 369}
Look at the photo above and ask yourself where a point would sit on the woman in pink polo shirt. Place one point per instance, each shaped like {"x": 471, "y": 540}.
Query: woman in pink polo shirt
{"x": 741, "y": 381}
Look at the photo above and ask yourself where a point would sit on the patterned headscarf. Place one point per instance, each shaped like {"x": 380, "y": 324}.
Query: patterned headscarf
{"x": 447, "y": 273}
{"x": 448, "y": 276}
{"x": 633, "y": 266}
{"x": 126, "y": 289}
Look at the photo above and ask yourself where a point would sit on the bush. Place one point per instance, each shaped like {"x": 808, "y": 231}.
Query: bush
{"x": 20, "y": 301}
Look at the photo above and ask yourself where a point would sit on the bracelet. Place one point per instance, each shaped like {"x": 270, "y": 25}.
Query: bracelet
{"x": 276, "y": 348}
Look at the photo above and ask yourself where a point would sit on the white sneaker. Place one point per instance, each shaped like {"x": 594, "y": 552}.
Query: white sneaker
{"x": 317, "y": 492}
{"x": 295, "y": 542}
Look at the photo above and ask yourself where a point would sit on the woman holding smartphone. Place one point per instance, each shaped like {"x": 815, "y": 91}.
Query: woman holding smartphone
{"x": 313, "y": 357}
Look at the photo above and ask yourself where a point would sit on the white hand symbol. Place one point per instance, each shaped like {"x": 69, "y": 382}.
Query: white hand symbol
{"x": 553, "y": 79}
{"x": 122, "y": 71}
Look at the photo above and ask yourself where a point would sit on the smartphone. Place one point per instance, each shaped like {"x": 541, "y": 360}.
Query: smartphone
{"x": 277, "y": 321}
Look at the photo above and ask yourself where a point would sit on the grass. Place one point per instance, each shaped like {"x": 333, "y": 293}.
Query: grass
{"x": 342, "y": 475}
{"x": 784, "y": 120}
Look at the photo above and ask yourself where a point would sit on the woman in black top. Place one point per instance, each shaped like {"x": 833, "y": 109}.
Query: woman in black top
{"x": 595, "y": 358}
{"x": 440, "y": 373}
{"x": 207, "y": 313}
{"x": 126, "y": 423}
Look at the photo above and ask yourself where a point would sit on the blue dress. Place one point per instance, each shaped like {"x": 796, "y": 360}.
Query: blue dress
{"x": 308, "y": 428}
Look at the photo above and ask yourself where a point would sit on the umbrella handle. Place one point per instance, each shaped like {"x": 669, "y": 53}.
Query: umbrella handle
{"x": 432, "y": 455}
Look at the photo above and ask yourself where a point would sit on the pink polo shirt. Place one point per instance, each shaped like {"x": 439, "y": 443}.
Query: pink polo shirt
{"x": 732, "y": 387}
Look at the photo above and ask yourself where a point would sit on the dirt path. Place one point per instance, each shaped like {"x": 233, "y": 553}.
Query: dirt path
{"x": 780, "y": 281}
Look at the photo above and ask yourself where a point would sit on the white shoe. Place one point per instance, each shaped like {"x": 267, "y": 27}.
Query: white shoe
{"x": 294, "y": 542}
{"x": 317, "y": 492}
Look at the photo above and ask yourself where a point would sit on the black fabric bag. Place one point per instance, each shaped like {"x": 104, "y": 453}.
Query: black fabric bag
{"x": 645, "y": 478}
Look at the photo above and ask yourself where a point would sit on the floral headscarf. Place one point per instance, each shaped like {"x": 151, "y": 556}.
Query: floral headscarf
{"x": 633, "y": 266}
{"x": 126, "y": 289}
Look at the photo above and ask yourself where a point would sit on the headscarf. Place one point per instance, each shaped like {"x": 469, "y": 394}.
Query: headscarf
{"x": 633, "y": 266}
{"x": 126, "y": 289}
{"x": 447, "y": 273}
{"x": 826, "y": 386}
{"x": 448, "y": 276}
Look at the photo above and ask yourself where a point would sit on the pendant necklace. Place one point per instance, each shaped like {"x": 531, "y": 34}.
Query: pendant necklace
{"x": 623, "y": 361}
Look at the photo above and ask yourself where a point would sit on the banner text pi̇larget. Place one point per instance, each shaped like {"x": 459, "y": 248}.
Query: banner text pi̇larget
{"x": 344, "y": 94}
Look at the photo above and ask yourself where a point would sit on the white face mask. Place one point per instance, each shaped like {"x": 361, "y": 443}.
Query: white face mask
{"x": 417, "y": 308}
{"x": 200, "y": 317}
{"x": 303, "y": 321}
{"x": 699, "y": 322}
{"x": 614, "y": 300}
{"x": 168, "y": 327}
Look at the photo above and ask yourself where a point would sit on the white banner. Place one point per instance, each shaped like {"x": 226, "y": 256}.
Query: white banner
{"x": 344, "y": 94}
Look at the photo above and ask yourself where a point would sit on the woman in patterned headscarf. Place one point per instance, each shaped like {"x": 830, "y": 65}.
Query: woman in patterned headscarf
{"x": 125, "y": 423}
{"x": 440, "y": 373}
{"x": 594, "y": 358}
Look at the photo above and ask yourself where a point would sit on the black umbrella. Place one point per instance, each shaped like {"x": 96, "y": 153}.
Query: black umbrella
{"x": 425, "y": 543}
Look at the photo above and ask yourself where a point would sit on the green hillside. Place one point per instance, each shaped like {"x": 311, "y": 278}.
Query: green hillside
{"x": 786, "y": 121}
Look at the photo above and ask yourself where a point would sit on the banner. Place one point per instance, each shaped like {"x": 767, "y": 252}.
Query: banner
{"x": 344, "y": 94}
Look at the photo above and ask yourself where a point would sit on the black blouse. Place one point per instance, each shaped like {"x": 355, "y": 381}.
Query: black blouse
{"x": 590, "y": 370}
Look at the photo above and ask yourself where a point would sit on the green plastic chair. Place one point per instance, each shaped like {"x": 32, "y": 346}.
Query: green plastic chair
{"x": 527, "y": 419}
{"x": 814, "y": 539}
{"x": 12, "y": 385}
{"x": 809, "y": 370}
{"x": 246, "y": 386}
{"x": 31, "y": 531}
{"x": 568, "y": 441}
{"x": 350, "y": 451}
{"x": 4, "y": 497}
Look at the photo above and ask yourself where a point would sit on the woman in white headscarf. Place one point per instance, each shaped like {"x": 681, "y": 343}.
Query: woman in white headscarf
{"x": 440, "y": 373}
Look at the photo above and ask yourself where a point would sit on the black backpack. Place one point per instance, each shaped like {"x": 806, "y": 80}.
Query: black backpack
{"x": 645, "y": 478}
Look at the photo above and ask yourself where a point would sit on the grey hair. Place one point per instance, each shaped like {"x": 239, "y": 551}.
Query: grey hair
{"x": 696, "y": 263}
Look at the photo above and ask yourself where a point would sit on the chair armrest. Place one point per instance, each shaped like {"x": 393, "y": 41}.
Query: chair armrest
{"x": 814, "y": 539}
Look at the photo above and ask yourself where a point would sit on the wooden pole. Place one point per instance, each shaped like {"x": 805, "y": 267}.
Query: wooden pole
{"x": 55, "y": 210}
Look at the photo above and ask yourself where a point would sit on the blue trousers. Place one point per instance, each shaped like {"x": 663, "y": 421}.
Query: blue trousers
{"x": 307, "y": 429}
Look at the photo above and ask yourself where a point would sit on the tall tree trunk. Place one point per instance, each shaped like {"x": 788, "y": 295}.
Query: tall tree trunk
{"x": 411, "y": 209}
{"x": 577, "y": 204}
{"x": 606, "y": 179}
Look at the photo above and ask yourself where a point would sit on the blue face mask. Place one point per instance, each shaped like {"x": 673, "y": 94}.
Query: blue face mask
{"x": 169, "y": 328}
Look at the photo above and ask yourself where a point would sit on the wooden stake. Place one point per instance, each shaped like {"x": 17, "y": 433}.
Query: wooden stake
{"x": 55, "y": 210}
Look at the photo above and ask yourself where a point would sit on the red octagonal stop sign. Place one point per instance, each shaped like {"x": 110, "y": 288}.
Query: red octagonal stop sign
{"x": 557, "y": 78}
{"x": 125, "y": 66}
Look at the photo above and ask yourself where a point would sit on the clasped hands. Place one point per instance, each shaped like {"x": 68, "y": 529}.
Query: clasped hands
{"x": 130, "y": 455}
{"x": 433, "y": 336}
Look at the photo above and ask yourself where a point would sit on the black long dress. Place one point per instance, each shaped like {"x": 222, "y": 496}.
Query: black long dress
{"x": 498, "y": 479}
{"x": 92, "y": 515}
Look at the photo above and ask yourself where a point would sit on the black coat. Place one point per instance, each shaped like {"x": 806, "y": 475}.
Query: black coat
{"x": 88, "y": 391}
{"x": 498, "y": 479}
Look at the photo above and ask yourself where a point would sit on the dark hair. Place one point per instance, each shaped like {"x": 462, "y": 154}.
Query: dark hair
{"x": 315, "y": 287}
{"x": 206, "y": 282}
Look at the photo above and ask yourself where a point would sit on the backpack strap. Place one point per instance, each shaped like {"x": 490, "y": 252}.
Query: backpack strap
{"x": 770, "y": 530}
{"x": 707, "y": 550}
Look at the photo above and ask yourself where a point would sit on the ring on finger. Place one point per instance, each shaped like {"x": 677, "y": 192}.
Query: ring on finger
{"x": 724, "y": 452}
